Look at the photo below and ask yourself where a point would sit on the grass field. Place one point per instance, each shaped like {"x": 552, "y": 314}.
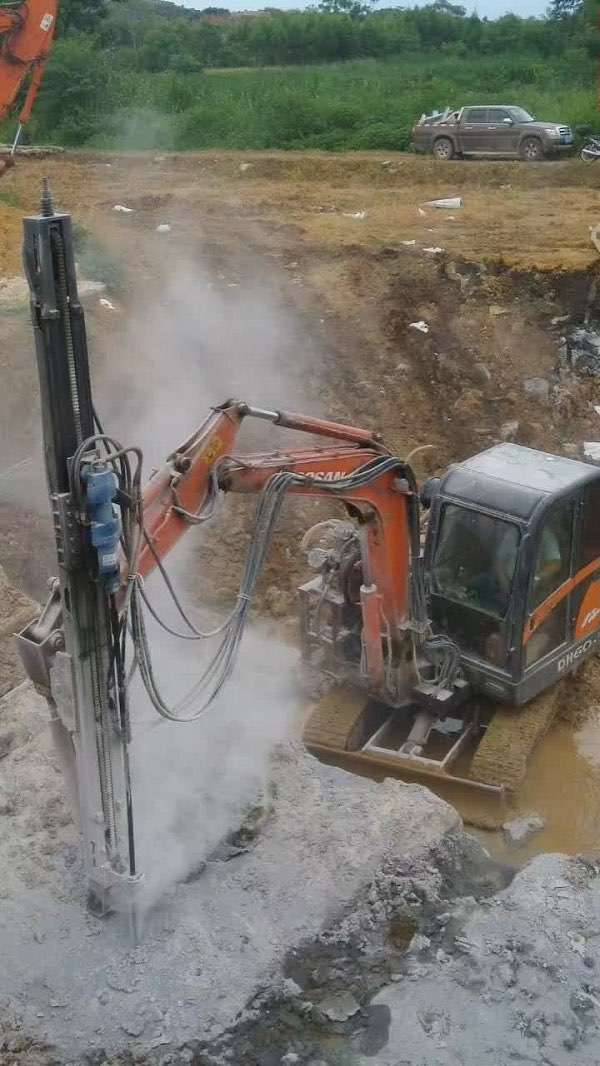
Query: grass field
{"x": 366, "y": 104}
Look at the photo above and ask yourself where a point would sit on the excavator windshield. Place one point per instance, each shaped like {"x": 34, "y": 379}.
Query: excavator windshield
{"x": 475, "y": 559}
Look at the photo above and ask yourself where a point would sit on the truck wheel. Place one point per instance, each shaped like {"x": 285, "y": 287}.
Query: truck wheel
{"x": 443, "y": 148}
{"x": 531, "y": 150}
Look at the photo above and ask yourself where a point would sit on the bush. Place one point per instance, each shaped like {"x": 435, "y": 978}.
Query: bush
{"x": 75, "y": 93}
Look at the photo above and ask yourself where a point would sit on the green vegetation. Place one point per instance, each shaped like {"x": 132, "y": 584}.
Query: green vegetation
{"x": 144, "y": 74}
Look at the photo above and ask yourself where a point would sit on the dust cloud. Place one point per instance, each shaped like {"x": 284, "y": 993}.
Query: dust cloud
{"x": 198, "y": 337}
{"x": 196, "y": 783}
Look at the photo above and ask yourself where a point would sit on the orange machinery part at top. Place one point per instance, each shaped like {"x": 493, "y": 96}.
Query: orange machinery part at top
{"x": 26, "y": 35}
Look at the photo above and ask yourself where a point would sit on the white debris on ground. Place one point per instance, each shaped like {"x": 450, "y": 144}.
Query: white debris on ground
{"x": 164, "y": 227}
{"x": 433, "y": 250}
{"x": 122, "y": 209}
{"x": 359, "y": 215}
{"x": 421, "y": 326}
{"x": 106, "y": 304}
{"x": 450, "y": 203}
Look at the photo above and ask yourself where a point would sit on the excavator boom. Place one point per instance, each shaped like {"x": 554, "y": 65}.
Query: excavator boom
{"x": 26, "y": 35}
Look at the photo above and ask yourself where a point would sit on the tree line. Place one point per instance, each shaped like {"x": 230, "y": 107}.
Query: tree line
{"x": 150, "y": 73}
{"x": 155, "y": 35}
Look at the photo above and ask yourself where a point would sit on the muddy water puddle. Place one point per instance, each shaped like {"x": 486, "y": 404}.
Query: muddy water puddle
{"x": 563, "y": 786}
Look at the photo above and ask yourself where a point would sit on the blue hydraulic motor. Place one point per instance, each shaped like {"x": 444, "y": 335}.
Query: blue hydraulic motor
{"x": 105, "y": 522}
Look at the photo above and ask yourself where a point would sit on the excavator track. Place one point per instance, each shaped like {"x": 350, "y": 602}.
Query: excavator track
{"x": 340, "y": 724}
{"x": 338, "y": 721}
{"x": 503, "y": 753}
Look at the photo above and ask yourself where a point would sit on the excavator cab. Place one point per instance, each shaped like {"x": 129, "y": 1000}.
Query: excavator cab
{"x": 512, "y": 560}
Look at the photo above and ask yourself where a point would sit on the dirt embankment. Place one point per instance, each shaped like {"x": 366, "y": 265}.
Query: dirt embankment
{"x": 293, "y": 280}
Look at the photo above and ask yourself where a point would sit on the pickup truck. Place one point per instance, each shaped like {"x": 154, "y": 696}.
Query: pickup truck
{"x": 485, "y": 130}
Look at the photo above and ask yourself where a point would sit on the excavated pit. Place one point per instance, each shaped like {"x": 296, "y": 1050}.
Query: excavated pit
{"x": 360, "y": 924}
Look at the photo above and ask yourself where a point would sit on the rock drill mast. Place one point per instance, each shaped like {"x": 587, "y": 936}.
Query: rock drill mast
{"x": 69, "y": 651}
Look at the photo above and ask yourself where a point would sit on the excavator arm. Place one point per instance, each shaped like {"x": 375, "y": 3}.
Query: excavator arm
{"x": 181, "y": 494}
{"x": 111, "y": 532}
{"x": 26, "y": 35}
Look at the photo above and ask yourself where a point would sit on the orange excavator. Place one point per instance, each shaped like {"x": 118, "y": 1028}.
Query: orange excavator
{"x": 26, "y": 34}
{"x": 442, "y": 648}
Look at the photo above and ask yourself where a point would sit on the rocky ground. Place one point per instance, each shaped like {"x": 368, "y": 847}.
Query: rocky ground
{"x": 350, "y": 922}
{"x": 354, "y": 923}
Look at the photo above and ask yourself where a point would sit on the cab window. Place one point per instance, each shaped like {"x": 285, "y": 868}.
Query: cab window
{"x": 475, "y": 559}
{"x": 475, "y": 114}
{"x": 553, "y": 558}
{"x": 590, "y": 526}
{"x": 552, "y": 567}
{"x": 497, "y": 114}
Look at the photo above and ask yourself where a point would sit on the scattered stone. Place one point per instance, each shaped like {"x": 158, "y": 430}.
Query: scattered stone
{"x": 245, "y": 166}
{"x": 107, "y": 304}
{"x": 419, "y": 943}
{"x": 408, "y": 244}
{"x": 591, "y": 451}
{"x": 578, "y": 944}
{"x": 433, "y": 251}
{"x": 537, "y": 388}
{"x": 290, "y": 1059}
{"x": 482, "y": 373}
{"x": 559, "y": 319}
{"x": 519, "y": 830}
{"x": 339, "y": 1006}
{"x": 164, "y": 227}
{"x": 290, "y": 989}
{"x": 134, "y": 1028}
{"x": 509, "y": 430}
{"x": 571, "y": 450}
{"x": 123, "y": 210}
{"x": 359, "y": 215}
{"x": 421, "y": 326}
{"x": 583, "y": 349}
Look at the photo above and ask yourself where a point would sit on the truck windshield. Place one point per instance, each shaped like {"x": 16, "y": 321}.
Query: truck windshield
{"x": 475, "y": 559}
{"x": 520, "y": 115}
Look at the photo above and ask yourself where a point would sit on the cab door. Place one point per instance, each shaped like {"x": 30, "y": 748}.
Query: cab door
{"x": 473, "y": 129}
{"x": 502, "y": 136}
{"x": 586, "y": 592}
{"x": 548, "y": 622}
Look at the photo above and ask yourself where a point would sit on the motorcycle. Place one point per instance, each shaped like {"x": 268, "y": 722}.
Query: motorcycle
{"x": 591, "y": 150}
